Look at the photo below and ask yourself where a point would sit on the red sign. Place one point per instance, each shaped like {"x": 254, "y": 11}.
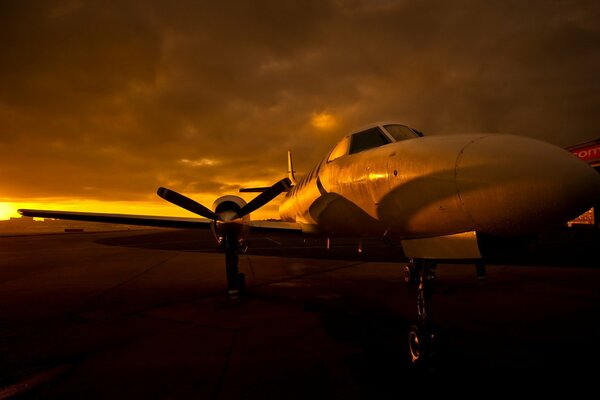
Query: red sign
{"x": 588, "y": 153}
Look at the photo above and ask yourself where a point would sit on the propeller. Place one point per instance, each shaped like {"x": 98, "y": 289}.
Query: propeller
{"x": 265, "y": 197}
{"x": 187, "y": 203}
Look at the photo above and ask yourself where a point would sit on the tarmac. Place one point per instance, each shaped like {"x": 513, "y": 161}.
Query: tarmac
{"x": 144, "y": 314}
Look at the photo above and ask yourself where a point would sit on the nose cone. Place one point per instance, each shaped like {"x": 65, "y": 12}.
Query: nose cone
{"x": 510, "y": 184}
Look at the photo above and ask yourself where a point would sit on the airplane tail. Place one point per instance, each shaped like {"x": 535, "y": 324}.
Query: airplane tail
{"x": 291, "y": 177}
{"x": 291, "y": 171}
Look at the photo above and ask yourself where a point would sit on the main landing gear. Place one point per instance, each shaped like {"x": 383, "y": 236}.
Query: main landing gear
{"x": 422, "y": 338}
{"x": 236, "y": 281}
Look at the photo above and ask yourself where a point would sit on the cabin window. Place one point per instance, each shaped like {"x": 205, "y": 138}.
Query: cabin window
{"x": 339, "y": 150}
{"x": 368, "y": 139}
{"x": 401, "y": 132}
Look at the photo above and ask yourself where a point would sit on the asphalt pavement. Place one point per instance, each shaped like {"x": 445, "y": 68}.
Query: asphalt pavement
{"x": 144, "y": 314}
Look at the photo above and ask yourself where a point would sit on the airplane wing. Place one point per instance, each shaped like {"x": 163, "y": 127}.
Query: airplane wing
{"x": 126, "y": 219}
{"x": 275, "y": 226}
{"x": 163, "y": 222}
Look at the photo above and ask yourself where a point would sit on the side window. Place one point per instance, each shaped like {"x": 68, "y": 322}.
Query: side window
{"x": 366, "y": 140}
{"x": 339, "y": 150}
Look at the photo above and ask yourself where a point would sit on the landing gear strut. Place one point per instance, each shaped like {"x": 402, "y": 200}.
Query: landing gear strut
{"x": 236, "y": 281}
{"x": 422, "y": 338}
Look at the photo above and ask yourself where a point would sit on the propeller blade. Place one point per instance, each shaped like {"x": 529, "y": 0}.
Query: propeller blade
{"x": 185, "y": 202}
{"x": 265, "y": 197}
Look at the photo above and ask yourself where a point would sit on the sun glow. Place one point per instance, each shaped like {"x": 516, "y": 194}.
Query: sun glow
{"x": 7, "y": 211}
{"x": 323, "y": 120}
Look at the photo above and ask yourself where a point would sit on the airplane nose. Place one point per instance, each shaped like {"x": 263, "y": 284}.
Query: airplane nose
{"x": 509, "y": 184}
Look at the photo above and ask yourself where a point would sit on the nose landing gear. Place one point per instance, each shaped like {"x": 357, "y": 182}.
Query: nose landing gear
{"x": 236, "y": 281}
{"x": 422, "y": 338}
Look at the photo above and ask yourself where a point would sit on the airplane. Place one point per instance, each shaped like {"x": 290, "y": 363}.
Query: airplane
{"x": 434, "y": 195}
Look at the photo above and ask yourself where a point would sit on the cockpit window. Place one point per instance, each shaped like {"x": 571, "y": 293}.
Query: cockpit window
{"x": 401, "y": 132}
{"x": 366, "y": 140}
{"x": 339, "y": 150}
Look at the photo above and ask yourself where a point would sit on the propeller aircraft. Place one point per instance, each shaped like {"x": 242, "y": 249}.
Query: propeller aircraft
{"x": 434, "y": 195}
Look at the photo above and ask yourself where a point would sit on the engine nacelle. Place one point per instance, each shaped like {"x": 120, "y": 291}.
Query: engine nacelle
{"x": 229, "y": 227}
{"x": 228, "y": 203}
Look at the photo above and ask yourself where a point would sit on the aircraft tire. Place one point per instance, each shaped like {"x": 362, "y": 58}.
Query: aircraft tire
{"x": 410, "y": 274}
{"x": 421, "y": 347}
{"x": 416, "y": 345}
{"x": 242, "y": 281}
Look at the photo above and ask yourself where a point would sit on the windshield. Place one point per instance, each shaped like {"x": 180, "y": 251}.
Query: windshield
{"x": 401, "y": 132}
{"x": 339, "y": 150}
{"x": 366, "y": 140}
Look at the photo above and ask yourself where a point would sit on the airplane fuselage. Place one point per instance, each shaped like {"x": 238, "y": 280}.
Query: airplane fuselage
{"x": 442, "y": 185}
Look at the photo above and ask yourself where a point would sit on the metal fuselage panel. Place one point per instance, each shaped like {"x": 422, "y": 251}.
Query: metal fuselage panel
{"x": 406, "y": 188}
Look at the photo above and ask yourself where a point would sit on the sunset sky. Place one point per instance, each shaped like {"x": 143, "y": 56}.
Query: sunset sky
{"x": 102, "y": 102}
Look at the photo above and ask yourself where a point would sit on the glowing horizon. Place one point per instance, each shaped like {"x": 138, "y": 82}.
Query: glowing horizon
{"x": 151, "y": 208}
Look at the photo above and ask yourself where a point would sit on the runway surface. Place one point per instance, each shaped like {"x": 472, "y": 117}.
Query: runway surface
{"x": 143, "y": 314}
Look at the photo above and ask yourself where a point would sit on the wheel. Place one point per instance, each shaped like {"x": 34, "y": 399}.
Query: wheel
{"x": 422, "y": 344}
{"x": 241, "y": 281}
{"x": 415, "y": 345}
{"x": 410, "y": 274}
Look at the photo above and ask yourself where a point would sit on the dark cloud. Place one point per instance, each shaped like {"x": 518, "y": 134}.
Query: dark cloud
{"x": 103, "y": 100}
